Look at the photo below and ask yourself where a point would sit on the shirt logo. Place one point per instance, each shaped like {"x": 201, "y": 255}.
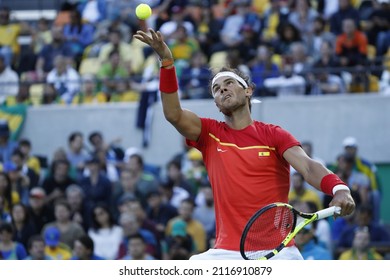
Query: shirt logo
{"x": 264, "y": 154}
{"x": 220, "y": 150}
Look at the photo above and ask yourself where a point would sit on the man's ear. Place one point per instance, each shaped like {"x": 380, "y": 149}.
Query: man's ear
{"x": 249, "y": 92}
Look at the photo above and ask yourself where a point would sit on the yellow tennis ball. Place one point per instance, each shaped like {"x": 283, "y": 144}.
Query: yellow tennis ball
{"x": 143, "y": 11}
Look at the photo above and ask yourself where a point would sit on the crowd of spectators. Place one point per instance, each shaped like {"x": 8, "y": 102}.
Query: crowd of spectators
{"x": 93, "y": 199}
{"x": 96, "y": 200}
{"x": 86, "y": 54}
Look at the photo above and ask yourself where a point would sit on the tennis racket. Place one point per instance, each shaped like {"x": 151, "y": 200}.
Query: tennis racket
{"x": 272, "y": 227}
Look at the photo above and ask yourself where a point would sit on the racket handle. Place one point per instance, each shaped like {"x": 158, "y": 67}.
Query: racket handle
{"x": 328, "y": 212}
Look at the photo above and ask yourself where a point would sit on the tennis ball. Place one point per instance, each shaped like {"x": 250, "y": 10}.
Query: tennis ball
{"x": 143, "y": 11}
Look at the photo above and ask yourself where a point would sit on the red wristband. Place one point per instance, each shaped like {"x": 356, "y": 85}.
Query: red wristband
{"x": 329, "y": 181}
{"x": 168, "y": 80}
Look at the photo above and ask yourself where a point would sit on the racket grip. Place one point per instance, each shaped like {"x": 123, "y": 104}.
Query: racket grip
{"x": 328, "y": 212}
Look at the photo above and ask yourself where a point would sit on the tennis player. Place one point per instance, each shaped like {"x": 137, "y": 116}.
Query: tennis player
{"x": 247, "y": 161}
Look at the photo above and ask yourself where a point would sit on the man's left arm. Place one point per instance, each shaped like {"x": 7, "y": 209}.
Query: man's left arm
{"x": 321, "y": 178}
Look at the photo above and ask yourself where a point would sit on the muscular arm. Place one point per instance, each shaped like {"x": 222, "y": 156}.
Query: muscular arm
{"x": 186, "y": 122}
{"x": 311, "y": 170}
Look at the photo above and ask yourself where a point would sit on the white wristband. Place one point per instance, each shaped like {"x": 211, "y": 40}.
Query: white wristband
{"x": 339, "y": 188}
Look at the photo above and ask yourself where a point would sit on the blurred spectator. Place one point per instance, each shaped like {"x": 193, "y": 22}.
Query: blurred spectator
{"x": 107, "y": 167}
{"x": 183, "y": 45}
{"x": 136, "y": 208}
{"x": 231, "y": 34}
{"x": 66, "y": 79}
{"x": 351, "y": 45}
{"x": 325, "y": 83}
{"x": 126, "y": 187}
{"x": 177, "y": 18}
{"x": 178, "y": 178}
{"x": 361, "y": 249}
{"x": 49, "y": 95}
{"x": 303, "y": 17}
{"x": 76, "y": 154}
{"x": 288, "y": 84}
{"x": 173, "y": 194}
{"x": 89, "y": 93}
{"x": 146, "y": 181}
{"x": 9, "y": 196}
{"x": 345, "y": 11}
{"x": 327, "y": 60}
{"x": 179, "y": 243}
{"x": 84, "y": 248}
{"x": 112, "y": 71}
{"x": 23, "y": 228}
{"x": 78, "y": 35}
{"x": 130, "y": 225}
{"x": 9, "y": 249}
{"x": 356, "y": 181}
{"x": 114, "y": 153}
{"x": 32, "y": 161}
{"x": 383, "y": 39}
{"x": 115, "y": 21}
{"x": 69, "y": 230}
{"x": 287, "y": 34}
{"x": 80, "y": 213}
{"x": 39, "y": 213}
{"x": 363, "y": 218}
{"x": 137, "y": 248}
{"x": 5, "y": 217}
{"x": 197, "y": 174}
{"x": 263, "y": 68}
{"x": 276, "y": 14}
{"x": 54, "y": 248}
{"x": 36, "y": 248}
{"x": 129, "y": 53}
{"x": 20, "y": 162}
{"x": 205, "y": 212}
{"x": 19, "y": 181}
{"x": 123, "y": 92}
{"x": 299, "y": 192}
{"x": 299, "y": 58}
{"x": 22, "y": 97}
{"x": 376, "y": 22}
{"x": 194, "y": 228}
{"x": 317, "y": 37}
{"x": 159, "y": 211}
{"x": 9, "y": 32}
{"x": 57, "y": 181}
{"x": 92, "y": 11}
{"x": 46, "y": 57}
{"x": 306, "y": 242}
{"x": 96, "y": 186}
{"x": 106, "y": 235}
{"x": 367, "y": 168}
{"x": 9, "y": 81}
{"x": 41, "y": 36}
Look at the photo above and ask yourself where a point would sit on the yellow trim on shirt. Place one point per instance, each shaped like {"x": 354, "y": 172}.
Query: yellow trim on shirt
{"x": 240, "y": 148}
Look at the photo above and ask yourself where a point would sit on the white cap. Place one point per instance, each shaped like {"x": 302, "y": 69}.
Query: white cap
{"x": 131, "y": 151}
{"x": 383, "y": 1}
{"x": 350, "y": 142}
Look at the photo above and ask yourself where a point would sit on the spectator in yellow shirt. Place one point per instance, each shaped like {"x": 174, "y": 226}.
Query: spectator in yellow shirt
{"x": 9, "y": 32}
{"x": 300, "y": 193}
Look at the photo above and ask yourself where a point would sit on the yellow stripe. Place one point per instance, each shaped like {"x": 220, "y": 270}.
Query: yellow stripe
{"x": 240, "y": 148}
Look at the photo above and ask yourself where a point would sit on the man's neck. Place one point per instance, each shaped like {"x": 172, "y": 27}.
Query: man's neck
{"x": 238, "y": 120}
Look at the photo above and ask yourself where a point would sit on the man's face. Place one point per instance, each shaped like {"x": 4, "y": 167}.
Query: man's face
{"x": 229, "y": 95}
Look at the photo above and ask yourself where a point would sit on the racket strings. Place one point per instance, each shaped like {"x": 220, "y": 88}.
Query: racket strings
{"x": 268, "y": 231}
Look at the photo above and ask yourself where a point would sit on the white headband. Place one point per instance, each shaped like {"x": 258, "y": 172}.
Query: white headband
{"x": 231, "y": 75}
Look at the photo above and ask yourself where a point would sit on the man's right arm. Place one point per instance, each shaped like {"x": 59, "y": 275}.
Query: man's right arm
{"x": 186, "y": 122}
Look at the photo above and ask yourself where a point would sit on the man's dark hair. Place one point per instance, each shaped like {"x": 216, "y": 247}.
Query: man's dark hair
{"x": 34, "y": 238}
{"x": 73, "y": 136}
